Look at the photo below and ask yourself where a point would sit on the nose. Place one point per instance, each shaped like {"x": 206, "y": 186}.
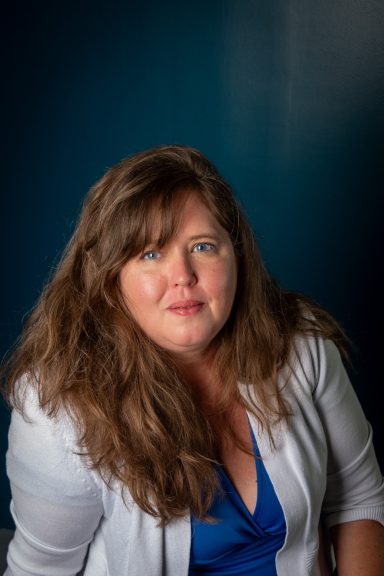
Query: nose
{"x": 181, "y": 271}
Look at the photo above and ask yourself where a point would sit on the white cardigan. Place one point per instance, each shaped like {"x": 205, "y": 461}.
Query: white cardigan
{"x": 68, "y": 520}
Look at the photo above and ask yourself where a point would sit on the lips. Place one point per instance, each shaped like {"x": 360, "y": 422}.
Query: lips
{"x": 186, "y": 307}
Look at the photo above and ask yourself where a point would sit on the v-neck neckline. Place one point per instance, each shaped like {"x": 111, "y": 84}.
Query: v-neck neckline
{"x": 259, "y": 481}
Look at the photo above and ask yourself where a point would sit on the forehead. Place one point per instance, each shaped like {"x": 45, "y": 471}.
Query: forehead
{"x": 190, "y": 210}
{"x": 169, "y": 215}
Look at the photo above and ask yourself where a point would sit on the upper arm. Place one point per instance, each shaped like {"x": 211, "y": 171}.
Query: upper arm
{"x": 55, "y": 503}
{"x": 355, "y": 488}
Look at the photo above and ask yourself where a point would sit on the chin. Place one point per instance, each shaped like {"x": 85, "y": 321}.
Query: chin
{"x": 193, "y": 347}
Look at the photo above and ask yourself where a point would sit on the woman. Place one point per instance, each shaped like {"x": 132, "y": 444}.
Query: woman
{"x": 176, "y": 412}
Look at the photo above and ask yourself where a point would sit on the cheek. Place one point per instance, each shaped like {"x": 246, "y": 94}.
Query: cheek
{"x": 142, "y": 289}
{"x": 223, "y": 285}
{"x": 150, "y": 287}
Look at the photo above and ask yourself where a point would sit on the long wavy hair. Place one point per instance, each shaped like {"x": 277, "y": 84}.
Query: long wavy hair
{"x": 83, "y": 351}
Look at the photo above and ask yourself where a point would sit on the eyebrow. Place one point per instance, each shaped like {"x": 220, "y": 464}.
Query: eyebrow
{"x": 206, "y": 235}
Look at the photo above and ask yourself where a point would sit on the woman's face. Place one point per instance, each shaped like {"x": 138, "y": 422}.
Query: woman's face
{"x": 181, "y": 295}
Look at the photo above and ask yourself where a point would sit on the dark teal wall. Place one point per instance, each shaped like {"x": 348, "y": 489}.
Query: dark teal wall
{"x": 285, "y": 96}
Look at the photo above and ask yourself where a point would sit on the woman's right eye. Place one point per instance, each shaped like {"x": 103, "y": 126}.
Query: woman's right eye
{"x": 150, "y": 255}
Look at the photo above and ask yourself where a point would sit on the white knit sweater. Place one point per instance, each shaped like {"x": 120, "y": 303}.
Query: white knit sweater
{"x": 69, "y": 521}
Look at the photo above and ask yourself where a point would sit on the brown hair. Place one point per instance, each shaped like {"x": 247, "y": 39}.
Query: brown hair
{"x": 81, "y": 348}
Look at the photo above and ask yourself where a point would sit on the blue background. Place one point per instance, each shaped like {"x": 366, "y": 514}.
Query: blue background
{"x": 286, "y": 97}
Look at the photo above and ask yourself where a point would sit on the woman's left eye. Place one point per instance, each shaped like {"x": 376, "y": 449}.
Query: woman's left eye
{"x": 203, "y": 247}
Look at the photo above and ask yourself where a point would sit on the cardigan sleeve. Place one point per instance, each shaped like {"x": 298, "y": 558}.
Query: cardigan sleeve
{"x": 56, "y": 503}
{"x": 355, "y": 487}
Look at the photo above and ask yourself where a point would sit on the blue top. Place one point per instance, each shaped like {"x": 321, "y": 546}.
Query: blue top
{"x": 239, "y": 543}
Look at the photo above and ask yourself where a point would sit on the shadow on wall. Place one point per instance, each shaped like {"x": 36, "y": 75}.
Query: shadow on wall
{"x": 6, "y": 520}
{"x": 5, "y": 537}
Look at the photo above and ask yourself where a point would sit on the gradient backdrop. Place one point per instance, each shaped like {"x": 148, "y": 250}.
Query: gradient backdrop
{"x": 285, "y": 96}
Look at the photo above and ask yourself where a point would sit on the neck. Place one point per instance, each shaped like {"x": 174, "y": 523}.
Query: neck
{"x": 200, "y": 376}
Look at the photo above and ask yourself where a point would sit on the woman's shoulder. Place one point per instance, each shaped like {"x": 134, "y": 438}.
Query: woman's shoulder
{"x": 40, "y": 442}
{"x": 29, "y": 409}
{"x": 315, "y": 361}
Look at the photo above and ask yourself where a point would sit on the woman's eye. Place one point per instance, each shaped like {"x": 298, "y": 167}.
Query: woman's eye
{"x": 150, "y": 255}
{"x": 203, "y": 247}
